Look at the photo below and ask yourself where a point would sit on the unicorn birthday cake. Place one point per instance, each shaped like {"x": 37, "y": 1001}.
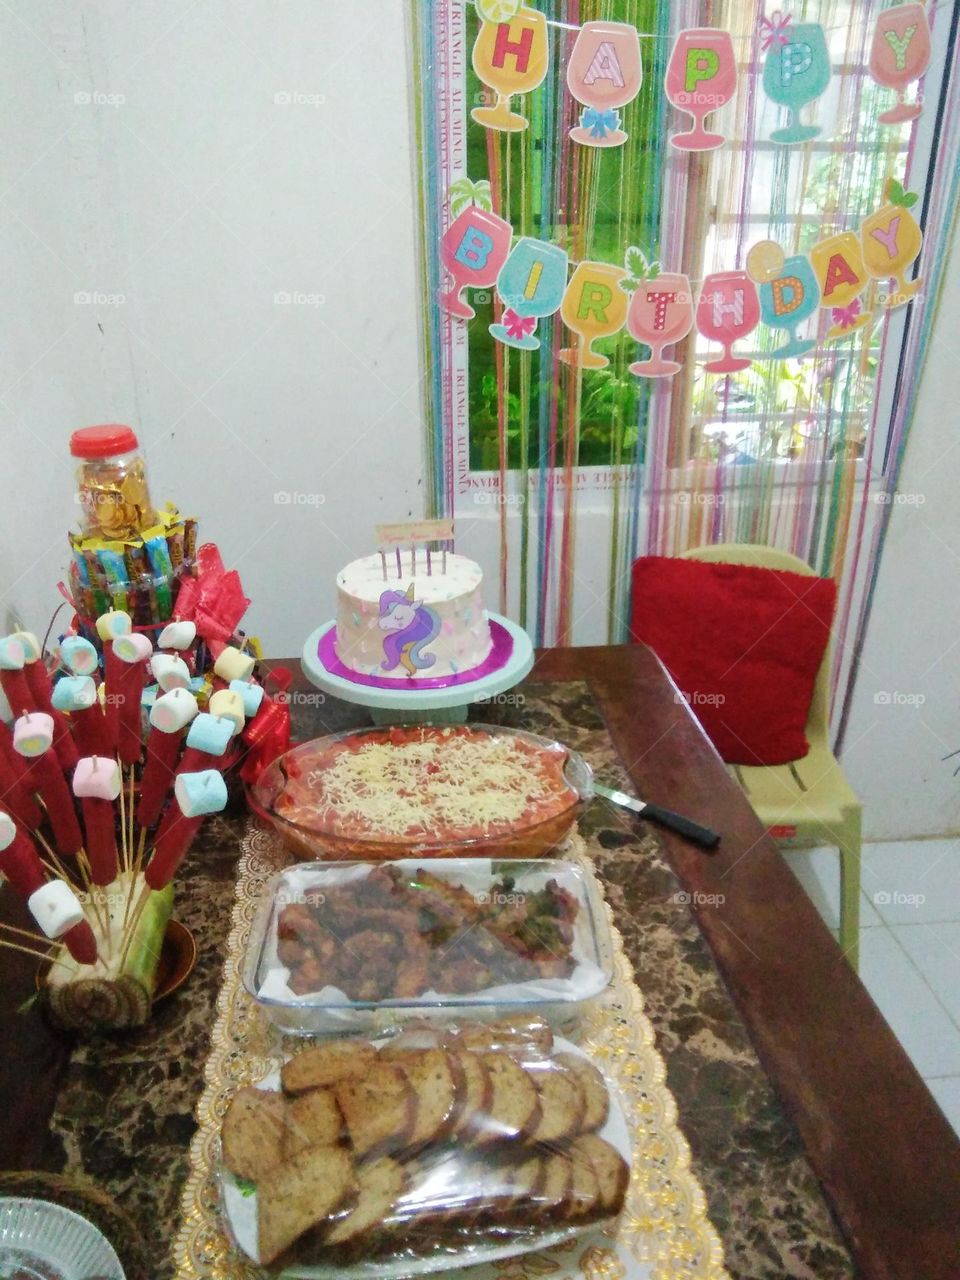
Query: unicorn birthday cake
{"x": 415, "y": 616}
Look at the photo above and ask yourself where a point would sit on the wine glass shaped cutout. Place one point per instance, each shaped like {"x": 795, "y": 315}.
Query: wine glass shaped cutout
{"x": 899, "y": 54}
{"x": 728, "y": 309}
{"x": 510, "y": 57}
{"x": 594, "y": 306}
{"x": 661, "y": 313}
{"x": 604, "y": 73}
{"x": 796, "y": 73}
{"x": 891, "y": 240}
{"x": 531, "y": 284}
{"x": 789, "y": 294}
{"x": 701, "y": 77}
{"x": 472, "y": 249}
{"x": 842, "y": 276}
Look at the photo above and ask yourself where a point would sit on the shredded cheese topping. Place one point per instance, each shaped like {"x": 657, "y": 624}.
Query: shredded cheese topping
{"x": 442, "y": 783}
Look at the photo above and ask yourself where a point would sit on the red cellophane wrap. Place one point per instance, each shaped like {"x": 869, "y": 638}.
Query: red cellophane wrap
{"x": 267, "y": 735}
{"x": 214, "y": 599}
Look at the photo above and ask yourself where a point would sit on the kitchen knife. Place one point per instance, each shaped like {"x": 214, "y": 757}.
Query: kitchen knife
{"x": 702, "y": 836}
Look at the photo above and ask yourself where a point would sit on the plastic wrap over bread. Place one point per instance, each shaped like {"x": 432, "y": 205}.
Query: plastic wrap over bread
{"x": 437, "y": 1148}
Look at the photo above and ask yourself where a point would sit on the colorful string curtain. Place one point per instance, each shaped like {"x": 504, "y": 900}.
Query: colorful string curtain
{"x": 782, "y": 439}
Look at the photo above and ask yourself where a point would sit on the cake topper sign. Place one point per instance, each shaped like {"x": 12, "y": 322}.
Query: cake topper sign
{"x": 412, "y": 534}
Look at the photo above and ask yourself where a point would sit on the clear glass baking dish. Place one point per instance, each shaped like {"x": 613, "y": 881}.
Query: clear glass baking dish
{"x": 494, "y": 938}
{"x": 321, "y": 838}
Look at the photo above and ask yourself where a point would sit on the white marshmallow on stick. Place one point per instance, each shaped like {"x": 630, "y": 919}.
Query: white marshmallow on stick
{"x": 177, "y": 635}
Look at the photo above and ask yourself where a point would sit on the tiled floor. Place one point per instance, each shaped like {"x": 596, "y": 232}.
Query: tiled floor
{"x": 909, "y": 946}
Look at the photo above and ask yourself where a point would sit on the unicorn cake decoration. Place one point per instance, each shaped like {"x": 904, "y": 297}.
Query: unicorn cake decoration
{"x": 413, "y": 609}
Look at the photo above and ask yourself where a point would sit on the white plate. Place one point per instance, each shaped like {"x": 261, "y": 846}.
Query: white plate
{"x": 53, "y": 1243}
{"x": 240, "y": 1212}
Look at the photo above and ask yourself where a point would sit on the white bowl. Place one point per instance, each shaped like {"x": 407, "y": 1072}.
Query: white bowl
{"x": 53, "y": 1243}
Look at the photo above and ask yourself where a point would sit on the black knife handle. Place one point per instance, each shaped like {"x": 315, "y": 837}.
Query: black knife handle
{"x": 683, "y": 826}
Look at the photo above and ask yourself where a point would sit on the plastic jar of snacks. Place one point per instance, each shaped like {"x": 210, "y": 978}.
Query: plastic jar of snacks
{"x": 112, "y": 485}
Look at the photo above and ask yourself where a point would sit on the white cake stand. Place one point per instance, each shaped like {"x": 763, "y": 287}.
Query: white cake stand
{"x": 421, "y": 706}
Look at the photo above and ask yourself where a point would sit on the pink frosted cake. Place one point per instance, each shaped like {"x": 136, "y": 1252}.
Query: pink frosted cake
{"x": 419, "y": 624}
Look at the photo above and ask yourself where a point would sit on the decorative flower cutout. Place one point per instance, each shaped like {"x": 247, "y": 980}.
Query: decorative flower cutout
{"x": 775, "y": 29}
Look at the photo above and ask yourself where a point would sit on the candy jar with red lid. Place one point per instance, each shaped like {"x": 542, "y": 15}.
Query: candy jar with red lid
{"x": 111, "y": 482}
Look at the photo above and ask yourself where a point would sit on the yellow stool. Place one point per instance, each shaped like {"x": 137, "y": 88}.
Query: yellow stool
{"x": 808, "y": 801}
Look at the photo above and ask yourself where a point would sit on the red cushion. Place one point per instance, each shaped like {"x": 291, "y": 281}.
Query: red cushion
{"x": 743, "y": 644}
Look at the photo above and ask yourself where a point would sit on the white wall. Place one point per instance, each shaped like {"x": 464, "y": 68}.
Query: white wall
{"x": 201, "y": 158}
{"x": 906, "y": 711}
{"x": 179, "y": 179}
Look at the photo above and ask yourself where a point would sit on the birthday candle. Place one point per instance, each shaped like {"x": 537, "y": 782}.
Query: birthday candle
{"x": 20, "y": 864}
{"x": 131, "y": 653}
{"x": 195, "y": 796}
{"x": 33, "y": 739}
{"x": 96, "y": 784}
{"x": 169, "y": 715}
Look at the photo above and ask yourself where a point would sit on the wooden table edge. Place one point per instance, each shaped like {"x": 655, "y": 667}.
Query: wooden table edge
{"x": 887, "y": 1158}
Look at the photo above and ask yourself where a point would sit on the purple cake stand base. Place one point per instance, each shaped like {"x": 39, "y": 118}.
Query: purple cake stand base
{"x": 439, "y": 699}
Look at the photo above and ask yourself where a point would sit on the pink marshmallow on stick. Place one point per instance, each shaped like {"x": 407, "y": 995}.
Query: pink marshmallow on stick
{"x": 20, "y": 864}
{"x": 169, "y": 715}
{"x": 38, "y": 681}
{"x": 132, "y": 652}
{"x": 195, "y": 796}
{"x": 97, "y": 783}
{"x": 33, "y": 739}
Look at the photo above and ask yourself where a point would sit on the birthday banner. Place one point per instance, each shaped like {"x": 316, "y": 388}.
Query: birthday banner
{"x": 660, "y": 256}
{"x": 605, "y": 71}
{"x": 659, "y": 307}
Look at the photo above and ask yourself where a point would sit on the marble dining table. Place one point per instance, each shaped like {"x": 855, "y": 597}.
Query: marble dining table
{"x": 818, "y": 1147}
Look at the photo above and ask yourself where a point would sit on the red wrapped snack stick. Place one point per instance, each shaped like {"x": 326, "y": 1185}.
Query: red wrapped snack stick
{"x": 15, "y": 793}
{"x": 33, "y": 739}
{"x": 78, "y": 696}
{"x": 13, "y": 678}
{"x": 97, "y": 783}
{"x": 38, "y": 682}
{"x": 195, "y": 796}
{"x": 169, "y": 716}
{"x": 133, "y": 651}
{"x": 52, "y": 903}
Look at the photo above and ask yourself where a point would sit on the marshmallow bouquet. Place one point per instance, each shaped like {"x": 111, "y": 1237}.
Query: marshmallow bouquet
{"x": 95, "y": 819}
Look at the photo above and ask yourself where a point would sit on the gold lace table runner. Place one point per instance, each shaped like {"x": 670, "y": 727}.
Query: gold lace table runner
{"x": 663, "y": 1232}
